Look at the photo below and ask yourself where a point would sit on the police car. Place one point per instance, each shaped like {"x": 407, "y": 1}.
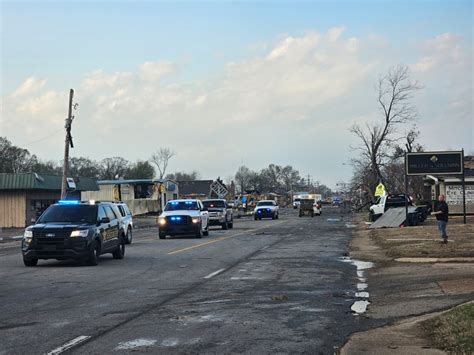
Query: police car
{"x": 182, "y": 217}
{"x": 266, "y": 209}
{"x": 74, "y": 230}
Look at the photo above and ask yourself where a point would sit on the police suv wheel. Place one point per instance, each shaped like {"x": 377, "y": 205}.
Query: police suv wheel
{"x": 119, "y": 253}
{"x": 129, "y": 236}
{"x": 199, "y": 232}
{"x": 30, "y": 262}
{"x": 225, "y": 225}
{"x": 162, "y": 235}
{"x": 231, "y": 224}
{"x": 93, "y": 257}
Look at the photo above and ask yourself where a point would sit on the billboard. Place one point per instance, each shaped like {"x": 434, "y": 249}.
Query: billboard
{"x": 434, "y": 163}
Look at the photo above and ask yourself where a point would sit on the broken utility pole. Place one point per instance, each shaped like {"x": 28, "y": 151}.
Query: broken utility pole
{"x": 68, "y": 142}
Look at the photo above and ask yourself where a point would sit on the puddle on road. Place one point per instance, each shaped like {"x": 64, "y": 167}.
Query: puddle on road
{"x": 134, "y": 344}
{"x": 333, "y": 219}
{"x": 360, "y": 306}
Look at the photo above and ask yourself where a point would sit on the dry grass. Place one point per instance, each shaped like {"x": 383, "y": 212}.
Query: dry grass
{"x": 424, "y": 240}
{"x": 453, "y": 331}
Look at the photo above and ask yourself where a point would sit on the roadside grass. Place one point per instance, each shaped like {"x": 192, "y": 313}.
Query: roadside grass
{"x": 424, "y": 240}
{"x": 452, "y": 331}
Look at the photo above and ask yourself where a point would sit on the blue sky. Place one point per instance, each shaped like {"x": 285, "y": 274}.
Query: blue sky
{"x": 210, "y": 60}
{"x": 66, "y": 39}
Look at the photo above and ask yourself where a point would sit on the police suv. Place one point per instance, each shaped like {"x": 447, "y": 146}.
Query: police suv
{"x": 74, "y": 230}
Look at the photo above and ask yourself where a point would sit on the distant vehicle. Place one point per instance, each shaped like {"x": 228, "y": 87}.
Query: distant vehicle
{"x": 220, "y": 213}
{"x": 296, "y": 203}
{"x": 126, "y": 220}
{"x": 266, "y": 209}
{"x": 307, "y": 207}
{"x": 337, "y": 201}
{"x": 182, "y": 217}
{"x": 385, "y": 202}
{"x": 74, "y": 230}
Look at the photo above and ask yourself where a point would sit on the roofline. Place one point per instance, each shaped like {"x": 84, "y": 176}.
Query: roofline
{"x": 134, "y": 181}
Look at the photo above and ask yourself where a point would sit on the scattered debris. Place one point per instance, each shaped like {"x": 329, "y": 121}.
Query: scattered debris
{"x": 280, "y": 298}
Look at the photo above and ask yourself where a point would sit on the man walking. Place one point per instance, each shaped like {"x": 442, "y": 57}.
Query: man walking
{"x": 441, "y": 211}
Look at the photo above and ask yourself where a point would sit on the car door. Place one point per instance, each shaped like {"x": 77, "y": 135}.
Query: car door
{"x": 204, "y": 215}
{"x": 112, "y": 229}
{"x": 102, "y": 226}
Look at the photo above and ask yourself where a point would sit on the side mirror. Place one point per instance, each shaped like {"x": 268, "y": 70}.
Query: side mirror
{"x": 104, "y": 220}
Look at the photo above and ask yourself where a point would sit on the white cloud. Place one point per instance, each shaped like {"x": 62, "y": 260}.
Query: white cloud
{"x": 29, "y": 86}
{"x": 154, "y": 71}
{"x": 294, "y": 92}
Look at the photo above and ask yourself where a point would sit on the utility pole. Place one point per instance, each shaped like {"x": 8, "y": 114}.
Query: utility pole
{"x": 309, "y": 183}
{"x": 67, "y": 143}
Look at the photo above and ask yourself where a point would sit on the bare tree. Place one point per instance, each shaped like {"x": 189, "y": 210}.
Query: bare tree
{"x": 161, "y": 159}
{"x": 395, "y": 93}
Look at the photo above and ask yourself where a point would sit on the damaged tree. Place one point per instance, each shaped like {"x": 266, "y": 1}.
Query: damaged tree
{"x": 395, "y": 93}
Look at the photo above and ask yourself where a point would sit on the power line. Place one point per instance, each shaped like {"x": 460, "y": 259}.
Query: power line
{"x": 41, "y": 139}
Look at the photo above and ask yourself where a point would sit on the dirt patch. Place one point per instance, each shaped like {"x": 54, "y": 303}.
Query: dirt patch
{"x": 456, "y": 287}
{"x": 453, "y": 331}
{"x": 424, "y": 241}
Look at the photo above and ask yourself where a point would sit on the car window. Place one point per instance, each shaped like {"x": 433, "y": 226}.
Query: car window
{"x": 214, "y": 204}
{"x": 102, "y": 213}
{"x": 122, "y": 211}
{"x": 182, "y": 205}
{"x": 110, "y": 212}
{"x": 266, "y": 203}
{"x": 127, "y": 211}
{"x": 70, "y": 214}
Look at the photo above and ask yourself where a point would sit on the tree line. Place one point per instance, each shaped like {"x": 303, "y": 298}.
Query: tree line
{"x": 277, "y": 179}
{"x": 15, "y": 159}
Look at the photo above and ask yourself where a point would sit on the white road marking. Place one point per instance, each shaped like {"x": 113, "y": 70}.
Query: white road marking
{"x": 70, "y": 344}
{"x": 212, "y": 274}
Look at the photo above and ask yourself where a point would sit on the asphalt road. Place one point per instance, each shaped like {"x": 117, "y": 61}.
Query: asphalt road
{"x": 271, "y": 286}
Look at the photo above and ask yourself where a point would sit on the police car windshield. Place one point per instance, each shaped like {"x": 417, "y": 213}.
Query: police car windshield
{"x": 214, "y": 204}
{"x": 83, "y": 214}
{"x": 265, "y": 203}
{"x": 181, "y": 205}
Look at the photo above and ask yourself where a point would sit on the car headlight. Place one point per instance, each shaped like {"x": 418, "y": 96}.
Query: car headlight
{"x": 161, "y": 221}
{"x": 27, "y": 237}
{"x": 196, "y": 220}
{"x": 79, "y": 233}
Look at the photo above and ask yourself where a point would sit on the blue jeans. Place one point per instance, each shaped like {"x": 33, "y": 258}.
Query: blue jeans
{"x": 442, "y": 228}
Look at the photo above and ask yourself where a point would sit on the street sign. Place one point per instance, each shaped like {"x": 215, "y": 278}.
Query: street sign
{"x": 434, "y": 163}
{"x": 380, "y": 190}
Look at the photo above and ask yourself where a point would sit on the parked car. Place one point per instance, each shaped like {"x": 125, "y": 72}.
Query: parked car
{"x": 385, "y": 202}
{"x": 182, "y": 217}
{"x": 266, "y": 209}
{"x": 220, "y": 213}
{"x": 74, "y": 230}
{"x": 126, "y": 220}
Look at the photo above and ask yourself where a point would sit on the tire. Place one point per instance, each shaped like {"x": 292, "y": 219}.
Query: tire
{"x": 94, "y": 252}
{"x": 199, "y": 232}
{"x": 274, "y": 216}
{"x": 277, "y": 216}
{"x": 162, "y": 235}
{"x": 312, "y": 214}
{"x": 255, "y": 218}
{"x": 225, "y": 225}
{"x": 231, "y": 224}
{"x": 300, "y": 214}
{"x": 30, "y": 262}
{"x": 129, "y": 236}
{"x": 372, "y": 217}
{"x": 119, "y": 253}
